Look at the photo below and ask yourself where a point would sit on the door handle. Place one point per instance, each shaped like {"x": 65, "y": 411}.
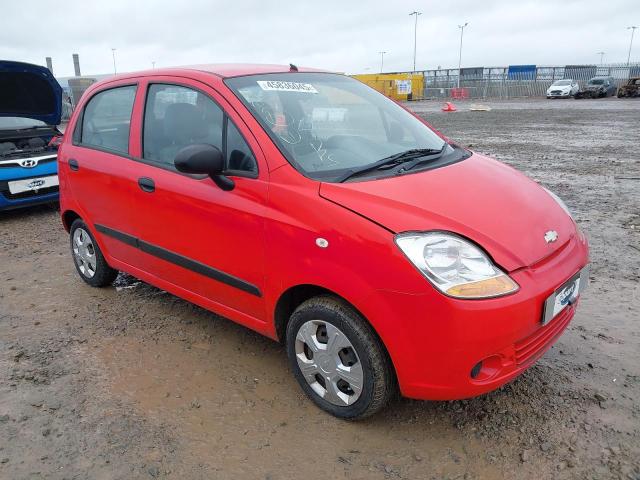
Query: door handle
{"x": 73, "y": 165}
{"x": 147, "y": 184}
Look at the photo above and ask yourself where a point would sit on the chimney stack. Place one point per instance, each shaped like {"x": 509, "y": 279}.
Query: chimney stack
{"x": 76, "y": 64}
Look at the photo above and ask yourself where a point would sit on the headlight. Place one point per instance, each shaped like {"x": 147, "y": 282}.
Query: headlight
{"x": 559, "y": 202}
{"x": 455, "y": 266}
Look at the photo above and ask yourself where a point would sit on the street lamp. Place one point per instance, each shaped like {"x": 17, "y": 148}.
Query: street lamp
{"x": 113, "y": 54}
{"x": 415, "y": 36}
{"x": 601, "y": 56}
{"x": 461, "y": 27}
{"x": 381, "y": 60}
{"x": 633, "y": 30}
{"x": 153, "y": 64}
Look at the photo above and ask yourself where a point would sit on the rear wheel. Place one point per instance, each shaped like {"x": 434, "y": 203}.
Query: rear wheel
{"x": 338, "y": 359}
{"x": 87, "y": 257}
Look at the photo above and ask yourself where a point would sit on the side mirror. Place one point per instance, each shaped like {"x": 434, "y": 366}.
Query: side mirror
{"x": 202, "y": 158}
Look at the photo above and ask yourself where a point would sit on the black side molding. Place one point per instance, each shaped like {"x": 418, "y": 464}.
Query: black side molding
{"x": 123, "y": 237}
{"x": 180, "y": 260}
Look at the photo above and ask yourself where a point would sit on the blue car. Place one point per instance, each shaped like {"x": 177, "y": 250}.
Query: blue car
{"x": 30, "y": 110}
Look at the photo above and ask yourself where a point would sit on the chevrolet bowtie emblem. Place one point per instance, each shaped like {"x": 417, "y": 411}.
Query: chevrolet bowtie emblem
{"x": 551, "y": 236}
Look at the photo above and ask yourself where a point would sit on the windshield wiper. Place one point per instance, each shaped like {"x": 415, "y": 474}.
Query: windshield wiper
{"x": 423, "y": 159}
{"x": 392, "y": 161}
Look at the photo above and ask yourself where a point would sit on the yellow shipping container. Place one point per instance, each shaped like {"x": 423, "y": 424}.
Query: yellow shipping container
{"x": 399, "y": 86}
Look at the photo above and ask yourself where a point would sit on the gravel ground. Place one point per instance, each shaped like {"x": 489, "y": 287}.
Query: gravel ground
{"x": 131, "y": 382}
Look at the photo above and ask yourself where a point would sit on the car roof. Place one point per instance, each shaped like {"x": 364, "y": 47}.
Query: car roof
{"x": 217, "y": 71}
{"x": 222, "y": 70}
{"x": 238, "y": 69}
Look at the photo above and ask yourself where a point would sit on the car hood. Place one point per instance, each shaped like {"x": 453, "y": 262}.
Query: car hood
{"x": 480, "y": 198}
{"x": 29, "y": 91}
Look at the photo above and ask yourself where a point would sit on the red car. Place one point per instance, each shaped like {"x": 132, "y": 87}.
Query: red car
{"x": 316, "y": 211}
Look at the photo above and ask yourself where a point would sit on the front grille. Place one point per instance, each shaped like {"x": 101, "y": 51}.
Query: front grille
{"x": 15, "y": 162}
{"x": 556, "y": 92}
{"x": 530, "y": 348}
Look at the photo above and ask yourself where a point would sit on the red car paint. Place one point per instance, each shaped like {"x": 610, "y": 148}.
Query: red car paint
{"x": 264, "y": 232}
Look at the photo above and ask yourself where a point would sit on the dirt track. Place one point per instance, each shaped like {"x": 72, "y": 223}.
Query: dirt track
{"x": 131, "y": 382}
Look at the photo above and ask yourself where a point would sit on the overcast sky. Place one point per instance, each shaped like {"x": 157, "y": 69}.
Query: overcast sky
{"x": 339, "y": 35}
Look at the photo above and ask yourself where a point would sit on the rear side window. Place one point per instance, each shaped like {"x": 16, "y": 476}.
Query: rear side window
{"x": 107, "y": 119}
{"x": 175, "y": 117}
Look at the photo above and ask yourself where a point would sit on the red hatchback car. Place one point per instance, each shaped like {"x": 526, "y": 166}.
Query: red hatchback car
{"x": 316, "y": 211}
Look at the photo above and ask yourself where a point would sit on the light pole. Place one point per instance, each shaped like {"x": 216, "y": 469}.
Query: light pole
{"x": 153, "y": 64}
{"x": 381, "y": 61}
{"x": 113, "y": 54}
{"x": 415, "y": 36}
{"x": 633, "y": 30}
{"x": 461, "y": 27}
{"x": 601, "y": 56}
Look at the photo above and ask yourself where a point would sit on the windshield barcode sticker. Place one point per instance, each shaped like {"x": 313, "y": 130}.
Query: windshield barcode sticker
{"x": 279, "y": 86}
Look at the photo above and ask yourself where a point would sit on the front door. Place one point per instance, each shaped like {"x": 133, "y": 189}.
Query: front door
{"x": 191, "y": 232}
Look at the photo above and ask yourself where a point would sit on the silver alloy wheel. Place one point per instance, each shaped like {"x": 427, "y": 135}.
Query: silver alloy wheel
{"x": 84, "y": 252}
{"x": 329, "y": 362}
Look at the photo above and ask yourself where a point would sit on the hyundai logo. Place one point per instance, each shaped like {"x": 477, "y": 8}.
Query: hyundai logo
{"x": 28, "y": 163}
{"x": 551, "y": 236}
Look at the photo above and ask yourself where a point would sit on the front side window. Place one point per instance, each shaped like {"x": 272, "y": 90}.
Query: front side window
{"x": 328, "y": 124}
{"x": 107, "y": 119}
{"x": 176, "y": 117}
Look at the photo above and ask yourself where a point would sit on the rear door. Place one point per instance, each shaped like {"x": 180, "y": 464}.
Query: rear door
{"x": 98, "y": 168}
{"x": 192, "y": 233}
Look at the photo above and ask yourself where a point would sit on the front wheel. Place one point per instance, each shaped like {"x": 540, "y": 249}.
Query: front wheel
{"x": 338, "y": 359}
{"x": 87, "y": 257}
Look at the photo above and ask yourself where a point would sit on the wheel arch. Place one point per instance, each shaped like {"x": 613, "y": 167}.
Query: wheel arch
{"x": 68, "y": 217}
{"x": 294, "y": 296}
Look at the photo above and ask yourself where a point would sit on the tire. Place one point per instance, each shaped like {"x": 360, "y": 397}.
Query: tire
{"x": 87, "y": 257}
{"x": 356, "y": 347}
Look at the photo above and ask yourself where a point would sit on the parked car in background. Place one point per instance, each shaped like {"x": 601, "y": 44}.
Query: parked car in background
{"x": 564, "y": 88}
{"x": 30, "y": 110}
{"x": 311, "y": 208}
{"x": 631, "y": 89}
{"x": 598, "y": 87}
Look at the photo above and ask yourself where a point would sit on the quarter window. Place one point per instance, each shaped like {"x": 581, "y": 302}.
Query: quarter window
{"x": 239, "y": 156}
{"x": 175, "y": 117}
{"x": 107, "y": 119}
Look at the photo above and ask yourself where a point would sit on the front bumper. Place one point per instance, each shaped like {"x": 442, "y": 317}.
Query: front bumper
{"x": 10, "y": 201}
{"x": 437, "y": 341}
{"x": 559, "y": 95}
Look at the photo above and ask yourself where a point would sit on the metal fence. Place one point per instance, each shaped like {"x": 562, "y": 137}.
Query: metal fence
{"x": 510, "y": 82}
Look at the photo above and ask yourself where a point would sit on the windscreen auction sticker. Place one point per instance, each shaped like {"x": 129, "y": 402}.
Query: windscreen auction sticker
{"x": 279, "y": 86}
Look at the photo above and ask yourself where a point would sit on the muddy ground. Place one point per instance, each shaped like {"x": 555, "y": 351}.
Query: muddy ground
{"x": 131, "y": 382}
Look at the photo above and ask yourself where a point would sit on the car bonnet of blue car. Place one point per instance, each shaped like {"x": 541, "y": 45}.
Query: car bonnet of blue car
{"x": 29, "y": 91}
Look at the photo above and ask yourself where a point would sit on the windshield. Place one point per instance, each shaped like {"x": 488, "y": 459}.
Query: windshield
{"x": 326, "y": 124}
{"x": 596, "y": 81}
{"x": 13, "y": 123}
{"x": 562, "y": 83}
